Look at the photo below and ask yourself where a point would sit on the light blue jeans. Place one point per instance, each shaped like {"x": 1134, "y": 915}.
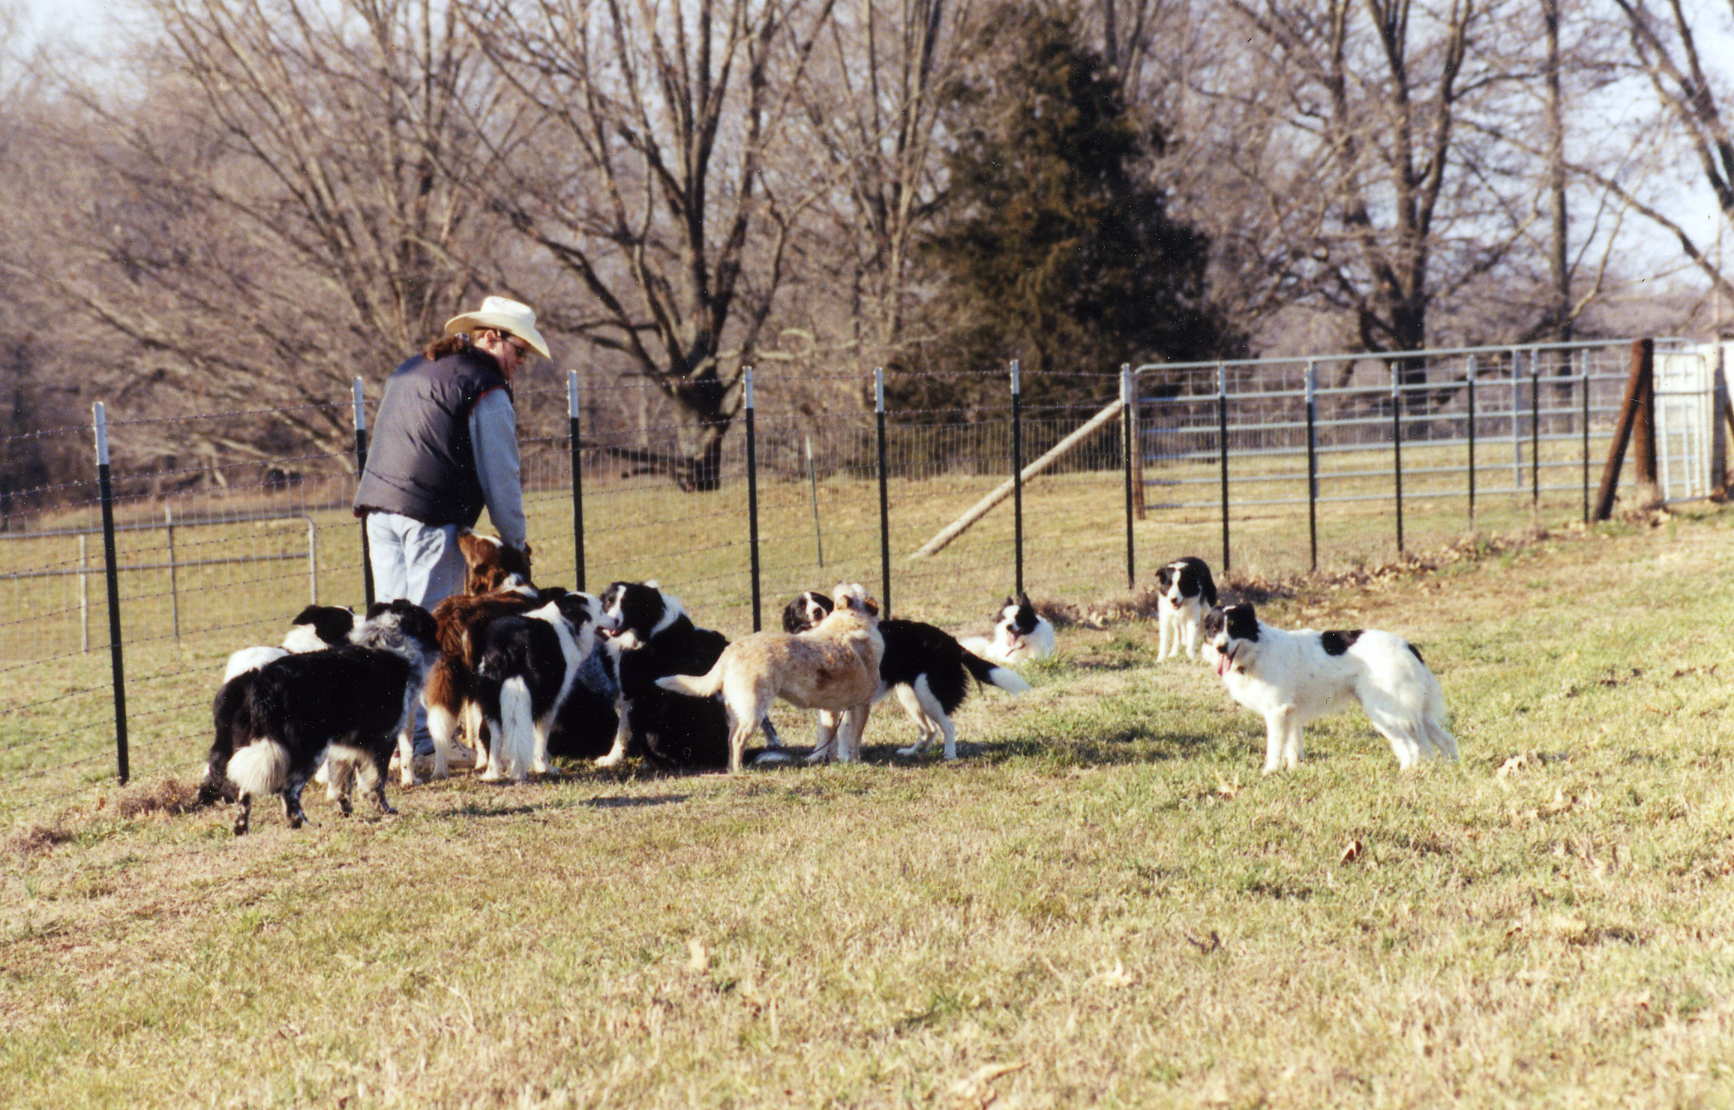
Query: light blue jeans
{"x": 420, "y": 563}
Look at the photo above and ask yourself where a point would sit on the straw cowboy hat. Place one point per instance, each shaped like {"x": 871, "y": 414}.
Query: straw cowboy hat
{"x": 506, "y": 315}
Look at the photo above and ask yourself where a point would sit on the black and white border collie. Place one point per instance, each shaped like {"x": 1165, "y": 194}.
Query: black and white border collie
{"x": 347, "y": 704}
{"x": 1293, "y": 677}
{"x": 924, "y": 666}
{"x": 650, "y": 636}
{"x": 1020, "y": 634}
{"x": 1184, "y": 593}
{"x": 314, "y": 628}
{"x": 527, "y": 668}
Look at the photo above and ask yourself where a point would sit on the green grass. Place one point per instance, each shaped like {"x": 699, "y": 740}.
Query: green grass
{"x": 1102, "y": 903}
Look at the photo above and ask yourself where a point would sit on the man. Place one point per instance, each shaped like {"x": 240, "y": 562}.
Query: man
{"x": 445, "y": 445}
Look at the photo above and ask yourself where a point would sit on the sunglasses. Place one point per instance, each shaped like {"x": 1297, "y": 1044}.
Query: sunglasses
{"x": 521, "y": 348}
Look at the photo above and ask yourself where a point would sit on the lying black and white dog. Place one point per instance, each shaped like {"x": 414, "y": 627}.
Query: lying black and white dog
{"x": 650, "y": 636}
{"x": 1184, "y": 593}
{"x": 526, "y": 670}
{"x": 1294, "y": 677}
{"x": 924, "y": 666}
{"x": 347, "y": 704}
{"x": 1019, "y": 635}
{"x": 314, "y": 628}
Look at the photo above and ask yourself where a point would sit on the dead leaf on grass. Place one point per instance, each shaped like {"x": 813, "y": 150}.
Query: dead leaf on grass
{"x": 1351, "y": 852}
{"x": 974, "y": 1091}
{"x": 1515, "y": 764}
{"x": 1114, "y": 977}
{"x": 697, "y": 956}
{"x": 1203, "y": 944}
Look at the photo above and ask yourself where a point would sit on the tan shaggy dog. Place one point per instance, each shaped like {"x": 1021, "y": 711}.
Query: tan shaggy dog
{"x": 832, "y": 667}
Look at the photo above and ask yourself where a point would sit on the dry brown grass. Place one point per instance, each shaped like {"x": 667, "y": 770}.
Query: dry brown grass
{"x": 1101, "y": 904}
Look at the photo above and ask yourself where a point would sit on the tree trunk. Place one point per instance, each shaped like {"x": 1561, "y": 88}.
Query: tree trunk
{"x": 702, "y": 423}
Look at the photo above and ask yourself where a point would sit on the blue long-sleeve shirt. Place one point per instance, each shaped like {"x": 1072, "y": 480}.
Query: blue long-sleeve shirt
{"x": 494, "y": 438}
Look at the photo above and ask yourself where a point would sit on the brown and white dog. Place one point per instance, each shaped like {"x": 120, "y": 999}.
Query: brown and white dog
{"x": 499, "y": 585}
{"x": 491, "y": 564}
{"x": 833, "y": 667}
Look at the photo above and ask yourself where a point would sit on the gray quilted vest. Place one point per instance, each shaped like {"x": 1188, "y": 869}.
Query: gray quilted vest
{"x": 419, "y": 461}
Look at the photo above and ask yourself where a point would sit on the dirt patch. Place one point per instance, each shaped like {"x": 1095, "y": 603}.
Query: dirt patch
{"x": 38, "y": 839}
{"x": 169, "y": 796}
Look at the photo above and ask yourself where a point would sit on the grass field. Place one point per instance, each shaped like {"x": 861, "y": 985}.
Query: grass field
{"x": 1102, "y": 903}
{"x": 238, "y": 581}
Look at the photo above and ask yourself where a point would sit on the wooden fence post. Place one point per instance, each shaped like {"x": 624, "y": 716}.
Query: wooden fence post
{"x": 1637, "y": 409}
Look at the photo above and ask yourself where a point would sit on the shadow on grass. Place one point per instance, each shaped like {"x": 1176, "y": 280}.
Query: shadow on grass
{"x": 484, "y": 809}
{"x": 632, "y": 803}
{"x": 1124, "y": 746}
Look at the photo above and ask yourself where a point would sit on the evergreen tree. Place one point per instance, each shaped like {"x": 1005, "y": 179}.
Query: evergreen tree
{"x": 1053, "y": 246}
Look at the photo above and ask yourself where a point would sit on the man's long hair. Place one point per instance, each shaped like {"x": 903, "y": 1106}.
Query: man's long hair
{"x": 447, "y": 345}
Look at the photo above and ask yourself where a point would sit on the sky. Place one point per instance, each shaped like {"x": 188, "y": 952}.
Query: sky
{"x": 81, "y": 20}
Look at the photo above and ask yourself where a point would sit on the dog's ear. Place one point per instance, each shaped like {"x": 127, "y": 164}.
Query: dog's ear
{"x": 871, "y": 606}
{"x": 652, "y": 583}
{"x": 376, "y": 609}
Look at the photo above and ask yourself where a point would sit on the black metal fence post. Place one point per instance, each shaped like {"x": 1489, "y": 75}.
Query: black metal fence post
{"x": 1584, "y": 357}
{"x": 884, "y": 494}
{"x": 1126, "y": 387}
{"x": 577, "y": 465}
{"x": 174, "y": 568}
{"x": 1534, "y": 431}
{"x": 111, "y": 572}
{"x": 1397, "y": 444}
{"x": 813, "y": 500}
{"x": 1313, "y": 461}
{"x": 1017, "y": 474}
{"x": 1471, "y": 391}
{"x": 752, "y": 490}
{"x": 1222, "y": 451}
{"x": 360, "y": 466}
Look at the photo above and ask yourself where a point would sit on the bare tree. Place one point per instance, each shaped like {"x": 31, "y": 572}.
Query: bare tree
{"x": 279, "y": 211}
{"x": 1377, "y": 95}
{"x": 646, "y": 182}
{"x": 871, "y": 120}
{"x": 1666, "y": 48}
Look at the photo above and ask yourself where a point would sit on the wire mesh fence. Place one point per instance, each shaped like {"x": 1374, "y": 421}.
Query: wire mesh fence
{"x": 1268, "y": 467}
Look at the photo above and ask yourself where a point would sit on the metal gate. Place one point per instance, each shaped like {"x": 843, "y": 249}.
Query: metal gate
{"x": 1686, "y": 422}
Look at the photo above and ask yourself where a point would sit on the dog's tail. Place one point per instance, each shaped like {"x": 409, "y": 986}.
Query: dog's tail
{"x": 993, "y": 674}
{"x": 259, "y": 768}
{"x": 695, "y": 685}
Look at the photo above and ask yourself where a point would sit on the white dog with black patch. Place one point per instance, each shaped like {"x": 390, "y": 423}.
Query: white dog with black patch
{"x": 1184, "y": 593}
{"x": 1294, "y": 677}
{"x": 1020, "y": 635}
